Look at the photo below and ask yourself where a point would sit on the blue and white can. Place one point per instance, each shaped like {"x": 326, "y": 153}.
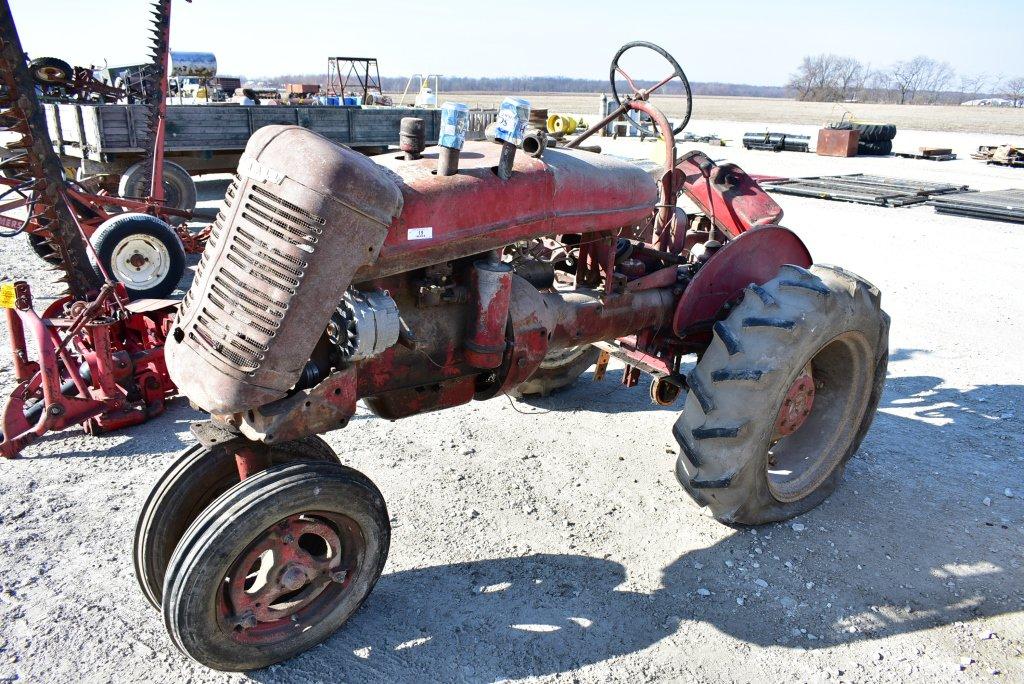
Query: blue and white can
{"x": 454, "y": 124}
{"x": 513, "y": 115}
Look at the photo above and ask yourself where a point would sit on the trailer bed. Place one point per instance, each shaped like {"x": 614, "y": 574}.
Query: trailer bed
{"x": 96, "y": 132}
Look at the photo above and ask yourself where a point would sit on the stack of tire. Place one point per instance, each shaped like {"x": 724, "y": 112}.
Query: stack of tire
{"x": 875, "y": 139}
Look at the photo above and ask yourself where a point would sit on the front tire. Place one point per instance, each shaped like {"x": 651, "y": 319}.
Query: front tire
{"x": 189, "y": 485}
{"x": 783, "y": 396}
{"x": 275, "y": 565}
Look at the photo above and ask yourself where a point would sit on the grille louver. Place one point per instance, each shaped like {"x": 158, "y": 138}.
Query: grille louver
{"x": 255, "y": 277}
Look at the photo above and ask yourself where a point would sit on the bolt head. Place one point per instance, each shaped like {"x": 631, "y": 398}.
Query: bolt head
{"x": 339, "y": 576}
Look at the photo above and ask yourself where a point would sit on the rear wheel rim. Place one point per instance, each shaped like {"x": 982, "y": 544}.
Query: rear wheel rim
{"x": 290, "y": 578}
{"x": 140, "y": 261}
{"x": 800, "y": 461}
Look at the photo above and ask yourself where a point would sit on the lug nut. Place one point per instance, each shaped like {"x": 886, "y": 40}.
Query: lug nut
{"x": 340, "y": 576}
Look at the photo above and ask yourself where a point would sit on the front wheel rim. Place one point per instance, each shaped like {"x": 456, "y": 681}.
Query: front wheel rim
{"x": 800, "y": 461}
{"x": 140, "y": 262}
{"x": 290, "y": 578}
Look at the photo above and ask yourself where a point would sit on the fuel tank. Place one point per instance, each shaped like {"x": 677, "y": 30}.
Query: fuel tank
{"x": 307, "y": 218}
{"x": 474, "y": 211}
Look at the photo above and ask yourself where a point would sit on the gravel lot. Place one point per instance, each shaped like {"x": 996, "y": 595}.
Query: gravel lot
{"x": 557, "y": 545}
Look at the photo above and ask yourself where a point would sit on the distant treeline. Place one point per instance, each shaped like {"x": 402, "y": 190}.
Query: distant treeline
{"x": 537, "y": 84}
{"x": 921, "y": 80}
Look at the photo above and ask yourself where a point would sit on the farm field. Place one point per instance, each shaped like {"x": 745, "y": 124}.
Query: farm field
{"x": 994, "y": 120}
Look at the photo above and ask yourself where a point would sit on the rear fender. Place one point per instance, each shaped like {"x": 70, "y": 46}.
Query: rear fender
{"x": 754, "y": 257}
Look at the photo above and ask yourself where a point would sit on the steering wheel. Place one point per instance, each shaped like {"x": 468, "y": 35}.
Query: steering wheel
{"x": 645, "y": 93}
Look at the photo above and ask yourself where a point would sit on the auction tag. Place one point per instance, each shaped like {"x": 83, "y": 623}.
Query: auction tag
{"x": 7, "y": 297}
{"x": 421, "y": 233}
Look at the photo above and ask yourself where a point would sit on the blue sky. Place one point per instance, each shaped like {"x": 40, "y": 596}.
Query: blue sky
{"x": 738, "y": 41}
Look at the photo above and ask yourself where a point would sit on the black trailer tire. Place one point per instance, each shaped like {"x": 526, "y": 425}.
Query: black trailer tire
{"x": 209, "y": 575}
{"x": 179, "y": 188}
{"x": 731, "y": 458}
{"x": 142, "y": 252}
{"x": 189, "y": 485}
{"x": 558, "y": 370}
{"x": 48, "y": 71}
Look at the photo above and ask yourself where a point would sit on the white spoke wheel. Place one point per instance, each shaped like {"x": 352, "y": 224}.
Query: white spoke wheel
{"x": 783, "y": 396}
{"x": 142, "y": 252}
{"x": 275, "y": 565}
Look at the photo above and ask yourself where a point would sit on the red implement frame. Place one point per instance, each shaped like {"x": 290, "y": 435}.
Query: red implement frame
{"x": 97, "y": 363}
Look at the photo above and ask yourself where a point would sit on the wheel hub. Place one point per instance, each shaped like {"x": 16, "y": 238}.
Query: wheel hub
{"x": 797, "y": 404}
{"x": 279, "y": 585}
{"x": 140, "y": 261}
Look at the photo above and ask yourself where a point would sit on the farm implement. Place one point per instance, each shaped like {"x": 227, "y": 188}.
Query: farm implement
{"x": 425, "y": 280}
{"x": 130, "y": 238}
{"x": 98, "y": 357}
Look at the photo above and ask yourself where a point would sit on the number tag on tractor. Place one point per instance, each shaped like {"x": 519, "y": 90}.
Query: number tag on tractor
{"x": 7, "y": 296}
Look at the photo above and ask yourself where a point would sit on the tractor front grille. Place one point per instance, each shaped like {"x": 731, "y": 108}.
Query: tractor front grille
{"x": 257, "y": 273}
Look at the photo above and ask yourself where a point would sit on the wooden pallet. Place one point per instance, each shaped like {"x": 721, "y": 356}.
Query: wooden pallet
{"x": 931, "y": 155}
{"x": 863, "y": 189}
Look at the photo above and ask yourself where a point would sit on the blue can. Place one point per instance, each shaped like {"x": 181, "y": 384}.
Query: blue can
{"x": 513, "y": 115}
{"x": 454, "y": 124}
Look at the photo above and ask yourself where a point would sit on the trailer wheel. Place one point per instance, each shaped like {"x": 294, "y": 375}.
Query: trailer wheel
{"x": 192, "y": 482}
{"x": 179, "y": 188}
{"x": 783, "y": 396}
{"x": 142, "y": 252}
{"x": 275, "y": 565}
{"x": 558, "y": 370}
{"x": 49, "y": 71}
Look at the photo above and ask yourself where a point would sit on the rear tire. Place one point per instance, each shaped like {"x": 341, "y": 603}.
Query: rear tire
{"x": 879, "y": 149}
{"x": 192, "y": 482}
{"x": 732, "y": 458}
{"x": 142, "y": 252}
{"x": 275, "y": 566}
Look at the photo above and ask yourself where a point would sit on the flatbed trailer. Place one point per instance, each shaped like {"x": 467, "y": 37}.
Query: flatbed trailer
{"x": 108, "y": 138}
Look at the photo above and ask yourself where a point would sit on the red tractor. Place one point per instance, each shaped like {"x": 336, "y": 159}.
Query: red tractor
{"x": 425, "y": 280}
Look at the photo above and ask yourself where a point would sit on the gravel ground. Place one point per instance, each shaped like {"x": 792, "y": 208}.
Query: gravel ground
{"x": 549, "y": 540}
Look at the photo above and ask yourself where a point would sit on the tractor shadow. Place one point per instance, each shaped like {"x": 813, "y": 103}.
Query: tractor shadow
{"x": 906, "y": 544}
{"x": 607, "y": 396}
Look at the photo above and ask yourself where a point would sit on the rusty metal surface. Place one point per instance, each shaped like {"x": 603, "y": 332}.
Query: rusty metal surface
{"x": 474, "y": 211}
{"x": 837, "y": 143}
{"x": 733, "y": 199}
{"x": 303, "y": 217}
{"x": 753, "y": 257}
{"x": 490, "y": 285}
{"x": 94, "y": 364}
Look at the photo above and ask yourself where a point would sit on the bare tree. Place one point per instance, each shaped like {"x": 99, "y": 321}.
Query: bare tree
{"x": 849, "y": 77}
{"x": 972, "y": 85}
{"x": 937, "y": 79}
{"x": 827, "y": 78}
{"x": 878, "y": 86}
{"x": 907, "y": 77}
{"x": 1013, "y": 90}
